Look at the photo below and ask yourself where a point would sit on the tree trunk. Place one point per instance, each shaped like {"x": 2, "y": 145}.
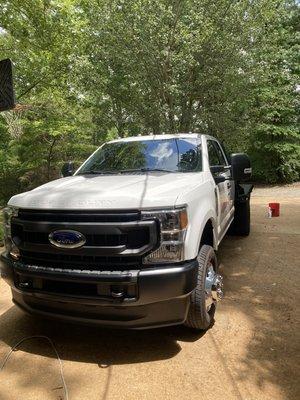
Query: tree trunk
{"x": 49, "y": 158}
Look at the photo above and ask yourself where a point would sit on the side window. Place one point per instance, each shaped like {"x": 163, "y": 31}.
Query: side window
{"x": 189, "y": 154}
{"x": 220, "y": 154}
{"x": 213, "y": 155}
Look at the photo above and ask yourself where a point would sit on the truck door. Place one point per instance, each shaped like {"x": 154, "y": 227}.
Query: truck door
{"x": 220, "y": 170}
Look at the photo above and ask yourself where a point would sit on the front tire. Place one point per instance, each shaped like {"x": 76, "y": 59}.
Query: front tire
{"x": 207, "y": 292}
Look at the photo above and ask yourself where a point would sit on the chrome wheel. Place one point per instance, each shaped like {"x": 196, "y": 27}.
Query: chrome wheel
{"x": 207, "y": 291}
{"x": 213, "y": 287}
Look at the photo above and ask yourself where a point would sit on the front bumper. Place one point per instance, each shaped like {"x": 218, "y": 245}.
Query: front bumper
{"x": 152, "y": 297}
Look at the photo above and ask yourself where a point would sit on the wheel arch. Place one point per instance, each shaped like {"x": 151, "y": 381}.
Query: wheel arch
{"x": 202, "y": 232}
{"x": 208, "y": 235}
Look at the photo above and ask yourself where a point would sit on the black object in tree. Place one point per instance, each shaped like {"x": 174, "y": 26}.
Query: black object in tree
{"x": 7, "y": 97}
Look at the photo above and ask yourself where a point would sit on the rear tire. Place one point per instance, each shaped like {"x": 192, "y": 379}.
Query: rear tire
{"x": 199, "y": 317}
{"x": 241, "y": 224}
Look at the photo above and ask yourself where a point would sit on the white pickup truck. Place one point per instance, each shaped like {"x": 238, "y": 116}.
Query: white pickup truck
{"x": 129, "y": 240}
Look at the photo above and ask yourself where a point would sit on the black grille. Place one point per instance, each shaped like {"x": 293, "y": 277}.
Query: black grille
{"x": 80, "y": 261}
{"x": 113, "y": 239}
{"x": 79, "y": 216}
{"x": 132, "y": 239}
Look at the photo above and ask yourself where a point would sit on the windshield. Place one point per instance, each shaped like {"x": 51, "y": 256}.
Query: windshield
{"x": 170, "y": 155}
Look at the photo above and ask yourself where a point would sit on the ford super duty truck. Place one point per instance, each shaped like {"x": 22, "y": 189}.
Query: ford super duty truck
{"x": 130, "y": 238}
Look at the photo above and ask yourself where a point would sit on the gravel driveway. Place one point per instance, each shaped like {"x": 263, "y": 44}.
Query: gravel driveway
{"x": 250, "y": 353}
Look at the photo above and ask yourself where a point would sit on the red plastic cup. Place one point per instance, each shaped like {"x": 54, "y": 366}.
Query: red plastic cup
{"x": 275, "y": 208}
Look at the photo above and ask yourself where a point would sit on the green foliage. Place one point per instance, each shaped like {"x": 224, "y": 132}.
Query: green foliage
{"x": 275, "y": 144}
{"x": 87, "y": 71}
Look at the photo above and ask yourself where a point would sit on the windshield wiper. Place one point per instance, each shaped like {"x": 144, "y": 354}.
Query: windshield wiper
{"x": 124, "y": 171}
{"x": 145, "y": 170}
{"x": 97, "y": 172}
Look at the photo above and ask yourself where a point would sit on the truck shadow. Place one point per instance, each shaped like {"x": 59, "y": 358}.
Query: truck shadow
{"x": 93, "y": 344}
{"x": 104, "y": 348}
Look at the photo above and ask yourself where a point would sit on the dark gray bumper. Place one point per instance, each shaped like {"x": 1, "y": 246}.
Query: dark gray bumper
{"x": 160, "y": 296}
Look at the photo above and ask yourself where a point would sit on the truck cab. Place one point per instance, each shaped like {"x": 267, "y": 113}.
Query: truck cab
{"x": 129, "y": 239}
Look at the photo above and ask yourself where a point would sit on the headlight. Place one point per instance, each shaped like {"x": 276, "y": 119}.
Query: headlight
{"x": 8, "y": 213}
{"x": 173, "y": 225}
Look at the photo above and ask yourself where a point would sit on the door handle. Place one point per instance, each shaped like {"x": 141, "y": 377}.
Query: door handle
{"x": 228, "y": 185}
{"x": 217, "y": 201}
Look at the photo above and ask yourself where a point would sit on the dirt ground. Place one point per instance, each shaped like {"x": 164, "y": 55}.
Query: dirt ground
{"x": 250, "y": 353}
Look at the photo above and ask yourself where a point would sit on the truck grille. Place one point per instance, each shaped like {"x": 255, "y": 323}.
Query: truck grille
{"x": 113, "y": 239}
{"x": 79, "y": 216}
{"x": 79, "y": 261}
{"x": 132, "y": 239}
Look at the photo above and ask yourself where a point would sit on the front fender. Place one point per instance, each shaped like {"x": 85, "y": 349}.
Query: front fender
{"x": 201, "y": 202}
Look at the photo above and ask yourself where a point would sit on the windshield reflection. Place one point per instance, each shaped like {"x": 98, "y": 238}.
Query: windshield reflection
{"x": 169, "y": 155}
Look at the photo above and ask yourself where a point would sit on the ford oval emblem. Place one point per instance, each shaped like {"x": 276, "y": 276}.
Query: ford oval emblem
{"x": 67, "y": 239}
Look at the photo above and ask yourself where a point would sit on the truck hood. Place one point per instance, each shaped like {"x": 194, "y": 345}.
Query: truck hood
{"x": 132, "y": 191}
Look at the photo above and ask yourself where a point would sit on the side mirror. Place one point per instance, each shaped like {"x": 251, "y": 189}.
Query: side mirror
{"x": 240, "y": 167}
{"x": 68, "y": 169}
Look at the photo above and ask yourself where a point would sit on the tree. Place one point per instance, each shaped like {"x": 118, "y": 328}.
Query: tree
{"x": 275, "y": 144}
{"x": 91, "y": 70}
{"x": 42, "y": 38}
